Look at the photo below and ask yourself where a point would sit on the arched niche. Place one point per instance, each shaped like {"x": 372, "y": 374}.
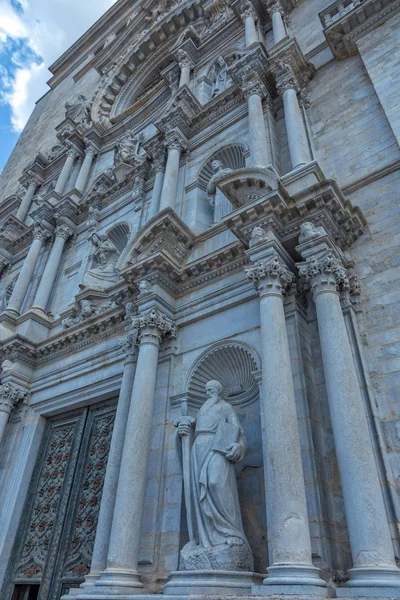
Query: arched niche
{"x": 210, "y": 200}
{"x": 234, "y": 364}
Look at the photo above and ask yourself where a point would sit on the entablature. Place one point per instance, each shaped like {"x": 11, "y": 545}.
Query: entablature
{"x": 346, "y": 21}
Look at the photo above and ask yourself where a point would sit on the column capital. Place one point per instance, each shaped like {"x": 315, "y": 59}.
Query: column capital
{"x": 252, "y": 84}
{"x": 325, "y": 274}
{"x": 285, "y": 78}
{"x": 40, "y": 233}
{"x": 274, "y": 6}
{"x": 174, "y": 140}
{"x": 72, "y": 153}
{"x": 90, "y": 148}
{"x": 184, "y": 59}
{"x": 10, "y": 395}
{"x": 63, "y": 231}
{"x": 129, "y": 344}
{"x": 153, "y": 326}
{"x": 271, "y": 276}
{"x": 247, "y": 9}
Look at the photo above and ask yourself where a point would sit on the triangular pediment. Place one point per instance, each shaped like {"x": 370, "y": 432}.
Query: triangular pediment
{"x": 163, "y": 242}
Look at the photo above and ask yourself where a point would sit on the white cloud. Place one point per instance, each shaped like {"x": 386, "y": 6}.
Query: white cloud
{"x": 33, "y": 36}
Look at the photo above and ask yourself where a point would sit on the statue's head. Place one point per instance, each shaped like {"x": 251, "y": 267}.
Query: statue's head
{"x": 216, "y": 165}
{"x": 213, "y": 389}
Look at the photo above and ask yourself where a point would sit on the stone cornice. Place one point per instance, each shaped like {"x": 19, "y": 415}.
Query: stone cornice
{"x": 346, "y": 22}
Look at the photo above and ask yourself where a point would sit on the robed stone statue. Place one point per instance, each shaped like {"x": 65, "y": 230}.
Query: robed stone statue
{"x": 218, "y": 541}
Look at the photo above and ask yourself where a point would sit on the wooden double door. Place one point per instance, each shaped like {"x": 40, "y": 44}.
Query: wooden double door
{"x": 55, "y": 540}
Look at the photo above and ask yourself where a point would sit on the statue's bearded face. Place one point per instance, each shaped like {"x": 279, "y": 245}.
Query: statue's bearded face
{"x": 213, "y": 390}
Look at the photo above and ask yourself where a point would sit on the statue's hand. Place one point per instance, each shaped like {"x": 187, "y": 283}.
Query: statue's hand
{"x": 234, "y": 452}
{"x": 184, "y": 425}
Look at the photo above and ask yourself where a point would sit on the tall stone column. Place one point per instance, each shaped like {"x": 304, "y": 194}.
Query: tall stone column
{"x": 101, "y": 544}
{"x": 255, "y": 91}
{"x": 40, "y": 234}
{"x": 288, "y": 528}
{"x": 65, "y": 171}
{"x": 175, "y": 146}
{"x": 25, "y": 205}
{"x": 275, "y": 11}
{"x": 83, "y": 176}
{"x": 370, "y": 540}
{"x": 10, "y": 395}
{"x": 296, "y": 132}
{"x": 249, "y": 15}
{"x": 185, "y": 65}
{"x": 62, "y": 233}
{"x": 121, "y": 572}
{"x": 159, "y": 168}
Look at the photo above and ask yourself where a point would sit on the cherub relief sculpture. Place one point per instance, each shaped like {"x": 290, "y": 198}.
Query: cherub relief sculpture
{"x": 218, "y": 540}
{"x": 308, "y": 231}
{"x": 104, "y": 274}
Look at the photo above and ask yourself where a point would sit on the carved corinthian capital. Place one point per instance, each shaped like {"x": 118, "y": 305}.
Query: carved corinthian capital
{"x": 153, "y": 326}
{"x": 129, "y": 344}
{"x": 252, "y": 84}
{"x": 247, "y": 9}
{"x": 10, "y": 395}
{"x": 325, "y": 274}
{"x": 271, "y": 276}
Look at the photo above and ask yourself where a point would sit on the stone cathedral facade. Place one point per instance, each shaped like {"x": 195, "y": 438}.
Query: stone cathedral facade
{"x": 199, "y": 320}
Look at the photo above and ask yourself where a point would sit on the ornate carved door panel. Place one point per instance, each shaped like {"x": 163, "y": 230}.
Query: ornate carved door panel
{"x": 56, "y": 535}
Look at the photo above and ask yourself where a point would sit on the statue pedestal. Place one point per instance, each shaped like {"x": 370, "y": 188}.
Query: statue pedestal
{"x": 232, "y": 583}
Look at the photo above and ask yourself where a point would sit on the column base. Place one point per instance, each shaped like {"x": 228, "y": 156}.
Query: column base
{"x": 293, "y": 590}
{"x": 370, "y": 577}
{"x": 211, "y": 583}
{"x": 368, "y": 592}
{"x": 297, "y": 575}
{"x": 119, "y": 581}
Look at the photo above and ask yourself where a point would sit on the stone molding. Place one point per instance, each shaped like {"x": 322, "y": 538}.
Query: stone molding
{"x": 271, "y": 276}
{"x": 346, "y": 22}
{"x": 10, "y": 395}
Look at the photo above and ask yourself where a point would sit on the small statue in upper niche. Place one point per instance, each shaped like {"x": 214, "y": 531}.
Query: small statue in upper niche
{"x": 79, "y": 111}
{"x": 104, "y": 273}
{"x": 308, "y": 231}
{"x": 218, "y": 75}
{"x": 214, "y": 518}
{"x": 128, "y": 149}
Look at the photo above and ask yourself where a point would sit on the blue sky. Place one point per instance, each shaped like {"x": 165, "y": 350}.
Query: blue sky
{"x": 33, "y": 34}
